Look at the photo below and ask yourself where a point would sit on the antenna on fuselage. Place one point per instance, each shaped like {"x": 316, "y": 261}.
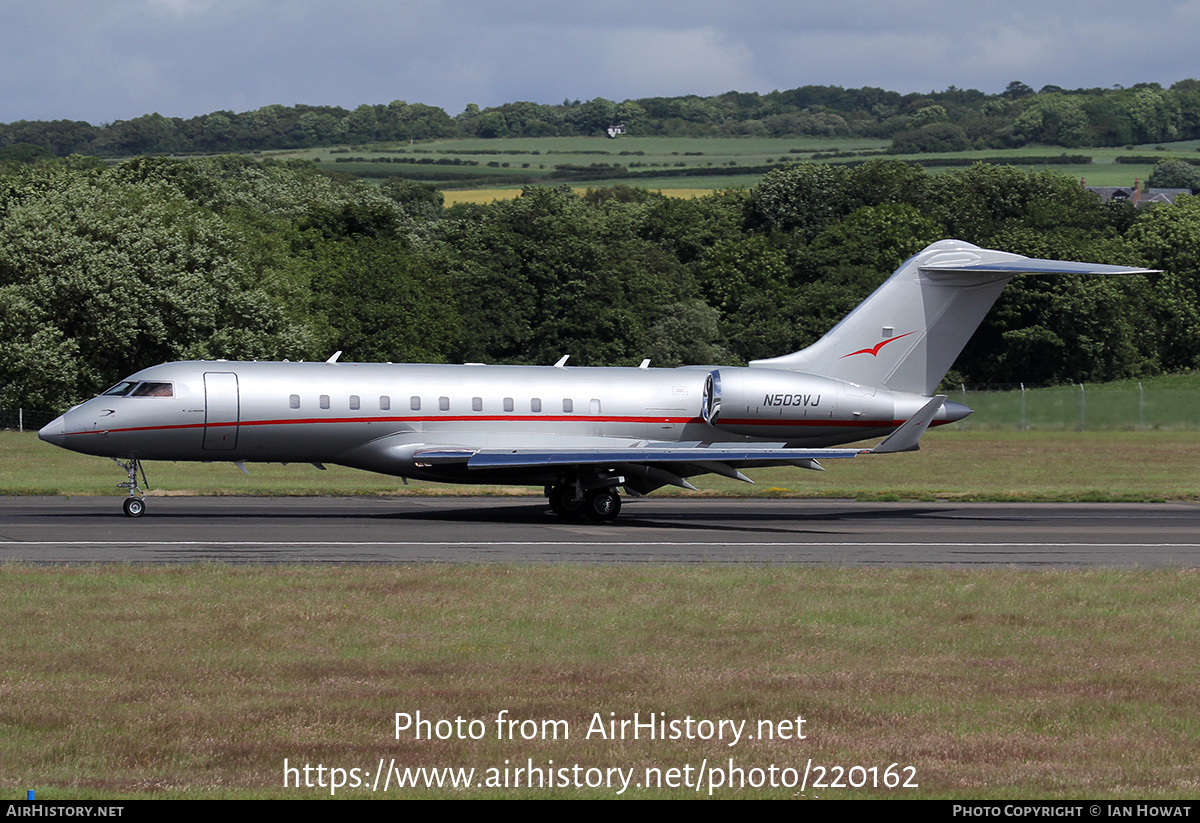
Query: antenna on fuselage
{"x": 562, "y": 362}
{"x": 336, "y": 355}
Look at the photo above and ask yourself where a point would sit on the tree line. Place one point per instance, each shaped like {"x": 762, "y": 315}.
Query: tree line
{"x": 950, "y": 120}
{"x": 105, "y": 270}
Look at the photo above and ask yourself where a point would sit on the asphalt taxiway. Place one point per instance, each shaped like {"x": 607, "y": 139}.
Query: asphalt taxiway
{"x": 651, "y": 530}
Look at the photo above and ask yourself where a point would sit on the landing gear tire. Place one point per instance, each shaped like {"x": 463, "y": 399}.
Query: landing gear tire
{"x": 565, "y": 502}
{"x": 602, "y": 505}
{"x": 134, "y": 505}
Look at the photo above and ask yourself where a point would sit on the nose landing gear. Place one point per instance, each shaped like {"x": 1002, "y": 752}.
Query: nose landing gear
{"x": 135, "y": 504}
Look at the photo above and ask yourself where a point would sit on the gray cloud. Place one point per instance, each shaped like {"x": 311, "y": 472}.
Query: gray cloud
{"x": 79, "y": 59}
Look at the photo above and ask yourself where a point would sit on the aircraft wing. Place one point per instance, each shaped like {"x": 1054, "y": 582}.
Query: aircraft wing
{"x": 644, "y": 467}
{"x": 660, "y": 463}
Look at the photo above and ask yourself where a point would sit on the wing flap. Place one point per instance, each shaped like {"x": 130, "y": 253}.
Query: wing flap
{"x": 674, "y": 460}
{"x": 523, "y": 458}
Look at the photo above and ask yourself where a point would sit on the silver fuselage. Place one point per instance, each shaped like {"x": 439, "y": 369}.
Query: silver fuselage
{"x": 379, "y": 417}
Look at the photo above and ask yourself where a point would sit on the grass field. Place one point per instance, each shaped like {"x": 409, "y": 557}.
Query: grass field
{"x": 965, "y": 465}
{"x": 1167, "y": 402}
{"x": 522, "y": 161}
{"x": 200, "y": 681}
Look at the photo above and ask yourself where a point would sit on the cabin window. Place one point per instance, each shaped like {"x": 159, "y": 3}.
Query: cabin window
{"x": 355, "y": 402}
{"x": 149, "y": 389}
{"x": 508, "y": 404}
{"x": 444, "y": 403}
{"x": 568, "y": 405}
{"x": 535, "y": 405}
{"x": 121, "y": 389}
{"x": 324, "y": 401}
{"x": 385, "y": 402}
{"x": 294, "y": 401}
{"x": 414, "y": 403}
{"x": 476, "y": 404}
{"x": 595, "y": 406}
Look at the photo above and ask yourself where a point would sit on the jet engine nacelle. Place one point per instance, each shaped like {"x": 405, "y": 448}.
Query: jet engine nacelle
{"x": 792, "y": 406}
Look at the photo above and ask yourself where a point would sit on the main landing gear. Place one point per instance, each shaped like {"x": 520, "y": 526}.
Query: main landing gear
{"x": 569, "y": 500}
{"x": 135, "y": 504}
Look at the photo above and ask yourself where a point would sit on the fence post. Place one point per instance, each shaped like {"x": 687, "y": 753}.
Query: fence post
{"x": 1082, "y": 409}
{"x": 1141, "y": 407}
{"x": 1022, "y": 407}
{"x": 21, "y": 420}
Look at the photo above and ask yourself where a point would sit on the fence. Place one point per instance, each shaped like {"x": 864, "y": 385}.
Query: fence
{"x": 29, "y": 420}
{"x": 1130, "y": 406}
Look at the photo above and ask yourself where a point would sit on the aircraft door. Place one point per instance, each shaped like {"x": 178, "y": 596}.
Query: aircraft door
{"x": 221, "y": 411}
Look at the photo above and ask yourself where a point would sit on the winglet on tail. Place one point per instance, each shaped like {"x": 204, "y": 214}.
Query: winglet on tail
{"x": 907, "y": 438}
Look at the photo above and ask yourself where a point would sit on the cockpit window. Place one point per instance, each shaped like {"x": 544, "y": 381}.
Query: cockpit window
{"x": 149, "y": 389}
{"x": 121, "y": 389}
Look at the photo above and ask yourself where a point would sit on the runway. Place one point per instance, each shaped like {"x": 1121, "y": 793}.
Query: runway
{"x": 651, "y": 530}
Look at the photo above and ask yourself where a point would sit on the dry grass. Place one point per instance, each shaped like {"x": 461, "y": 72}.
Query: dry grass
{"x": 486, "y": 196}
{"x": 199, "y": 681}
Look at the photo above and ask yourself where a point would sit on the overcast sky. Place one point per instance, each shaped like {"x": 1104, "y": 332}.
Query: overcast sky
{"x": 106, "y": 60}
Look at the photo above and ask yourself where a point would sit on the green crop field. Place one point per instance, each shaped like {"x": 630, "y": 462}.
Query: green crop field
{"x": 657, "y": 161}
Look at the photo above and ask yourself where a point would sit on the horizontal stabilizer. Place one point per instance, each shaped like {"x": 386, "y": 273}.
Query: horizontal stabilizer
{"x": 1033, "y": 266}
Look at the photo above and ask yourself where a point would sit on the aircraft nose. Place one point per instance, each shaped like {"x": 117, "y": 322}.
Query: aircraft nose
{"x": 54, "y": 432}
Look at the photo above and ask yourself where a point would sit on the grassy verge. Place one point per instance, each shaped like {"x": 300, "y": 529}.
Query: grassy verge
{"x": 200, "y": 681}
{"x": 956, "y": 465}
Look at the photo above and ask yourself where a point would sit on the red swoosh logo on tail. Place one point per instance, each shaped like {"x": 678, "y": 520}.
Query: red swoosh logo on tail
{"x": 874, "y": 350}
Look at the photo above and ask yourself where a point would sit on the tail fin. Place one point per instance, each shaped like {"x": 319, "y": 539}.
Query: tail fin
{"x": 908, "y": 332}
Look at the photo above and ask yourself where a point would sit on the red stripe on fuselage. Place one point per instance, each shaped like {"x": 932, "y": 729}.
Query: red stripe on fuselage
{"x": 490, "y": 418}
{"x": 557, "y": 418}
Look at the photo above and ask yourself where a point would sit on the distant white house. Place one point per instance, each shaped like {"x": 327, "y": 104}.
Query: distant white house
{"x": 613, "y": 131}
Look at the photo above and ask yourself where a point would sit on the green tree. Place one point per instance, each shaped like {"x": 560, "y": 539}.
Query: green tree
{"x": 927, "y": 115}
{"x": 381, "y": 304}
{"x": 1174, "y": 174}
{"x": 104, "y": 275}
{"x": 934, "y": 137}
{"x": 421, "y": 201}
{"x": 878, "y": 237}
{"x": 549, "y": 274}
{"x": 801, "y": 198}
{"x": 1167, "y": 237}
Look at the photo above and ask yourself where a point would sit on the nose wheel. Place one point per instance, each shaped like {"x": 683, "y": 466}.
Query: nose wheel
{"x": 135, "y": 504}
